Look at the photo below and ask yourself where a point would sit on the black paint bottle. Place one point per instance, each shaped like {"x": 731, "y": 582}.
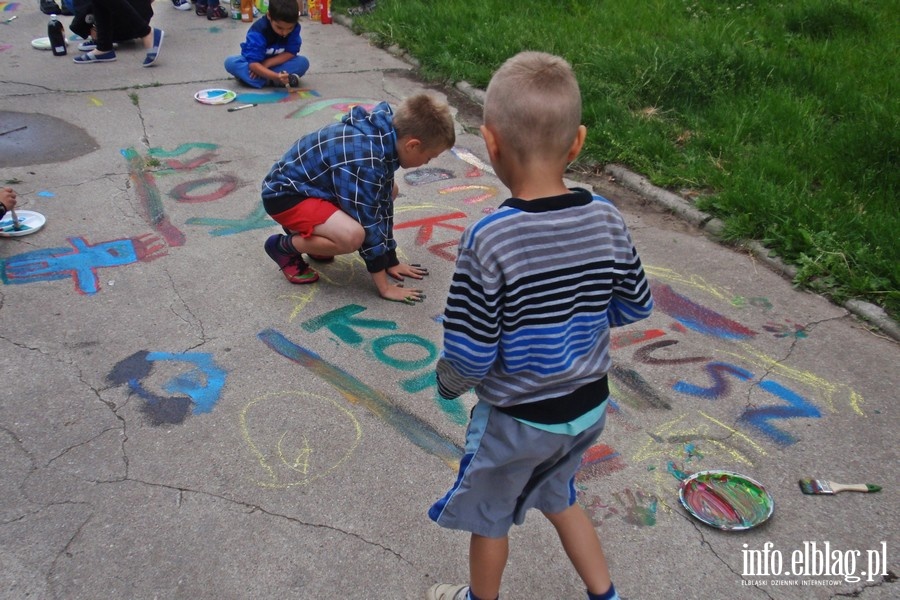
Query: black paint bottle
{"x": 55, "y": 31}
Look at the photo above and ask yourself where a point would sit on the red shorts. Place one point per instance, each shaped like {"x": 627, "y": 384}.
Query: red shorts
{"x": 306, "y": 216}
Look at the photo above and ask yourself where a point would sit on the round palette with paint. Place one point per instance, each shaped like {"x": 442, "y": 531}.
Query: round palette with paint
{"x": 215, "y": 96}
{"x": 726, "y": 500}
{"x": 29, "y": 222}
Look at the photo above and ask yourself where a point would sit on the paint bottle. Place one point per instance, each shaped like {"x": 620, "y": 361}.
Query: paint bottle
{"x": 55, "y": 31}
{"x": 314, "y": 13}
{"x": 247, "y": 11}
{"x": 262, "y": 6}
{"x": 235, "y": 9}
{"x": 325, "y": 11}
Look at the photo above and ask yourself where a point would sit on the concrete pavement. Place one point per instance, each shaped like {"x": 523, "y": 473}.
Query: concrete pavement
{"x": 178, "y": 421}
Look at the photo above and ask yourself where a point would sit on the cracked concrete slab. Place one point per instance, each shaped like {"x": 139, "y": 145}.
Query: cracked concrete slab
{"x": 181, "y": 422}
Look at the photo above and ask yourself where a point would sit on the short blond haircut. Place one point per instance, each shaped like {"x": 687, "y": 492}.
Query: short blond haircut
{"x": 533, "y": 104}
{"x": 426, "y": 119}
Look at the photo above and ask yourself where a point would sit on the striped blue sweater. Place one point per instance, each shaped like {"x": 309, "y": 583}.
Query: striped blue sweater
{"x": 537, "y": 286}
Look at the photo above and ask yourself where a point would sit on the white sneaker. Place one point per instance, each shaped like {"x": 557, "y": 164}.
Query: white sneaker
{"x": 447, "y": 591}
{"x": 181, "y": 4}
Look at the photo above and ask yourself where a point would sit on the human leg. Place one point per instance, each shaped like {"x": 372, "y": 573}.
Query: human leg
{"x": 339, "y": 234}
{"x": 240, "y": 68}
{"x": 487, "y": 559}
{"x": 298, "y": 66}
{"x": 582, "y": 546}
{"x": 119, "y": 19}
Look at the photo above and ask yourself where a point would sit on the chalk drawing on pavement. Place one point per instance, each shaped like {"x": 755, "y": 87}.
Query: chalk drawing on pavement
{"x": 407, "y": 424}
{"x": 289, "y": 450}
{"x": 80, "y": 262}
{"x": 193, "y": 383}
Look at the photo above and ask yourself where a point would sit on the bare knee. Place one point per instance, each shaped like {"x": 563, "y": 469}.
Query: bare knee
{"x": 344, "y": 232}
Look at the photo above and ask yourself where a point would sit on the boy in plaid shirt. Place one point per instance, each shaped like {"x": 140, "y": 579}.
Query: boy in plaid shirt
{"x": 333, "y": 191}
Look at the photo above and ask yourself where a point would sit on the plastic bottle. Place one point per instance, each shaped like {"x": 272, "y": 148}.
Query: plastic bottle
{"x": 247, "y": 11}
{"x": 314, "y": 13}
{"x": 55, "y": 31}
{"x": 262, "y": 6}
{"x": 235, "y": 9}
{"x": 325, "y": 11}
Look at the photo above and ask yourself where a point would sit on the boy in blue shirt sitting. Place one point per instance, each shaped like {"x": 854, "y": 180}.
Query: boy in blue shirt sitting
{"x": 270, "y": 54}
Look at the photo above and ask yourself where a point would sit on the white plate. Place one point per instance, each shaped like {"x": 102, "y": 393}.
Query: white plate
{"x": 44, "y": 43}
{"x": 29, "y": 221}
{"x": 215, "y": 96}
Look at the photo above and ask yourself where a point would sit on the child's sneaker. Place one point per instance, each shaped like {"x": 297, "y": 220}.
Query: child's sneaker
{"x": 293, "y": 267}
{"x": 447, "y": 591}
{"x": 181, "y": 4}
{"x": 216, "y": 13}
{"x": 200, "y": 10}
{"x": 293, "y": 80}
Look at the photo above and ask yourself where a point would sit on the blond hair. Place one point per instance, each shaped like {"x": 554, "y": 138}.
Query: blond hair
{"x": 426, "y": 119}
{"x": 533, "y": 104}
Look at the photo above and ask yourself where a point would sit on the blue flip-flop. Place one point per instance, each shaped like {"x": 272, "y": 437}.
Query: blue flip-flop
{"x": 157, "y": 45}
{"x": 91, "y": 57}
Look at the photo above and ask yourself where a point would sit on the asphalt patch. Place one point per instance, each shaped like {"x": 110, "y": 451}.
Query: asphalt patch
{"x": 37, "y": 139}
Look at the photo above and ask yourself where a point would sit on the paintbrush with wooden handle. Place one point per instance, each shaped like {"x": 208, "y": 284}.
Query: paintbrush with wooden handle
{"x": 820, "y": 486}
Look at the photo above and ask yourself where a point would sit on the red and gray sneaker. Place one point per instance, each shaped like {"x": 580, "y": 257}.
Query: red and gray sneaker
{"x": 292, "y": 266}
{"x": 214, "y": 13}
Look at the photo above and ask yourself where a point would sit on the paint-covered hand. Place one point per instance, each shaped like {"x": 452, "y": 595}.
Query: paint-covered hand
{"x": 400, "y": 271}
{"x": 8, "y": 198}
{"x": 398, "y": 293}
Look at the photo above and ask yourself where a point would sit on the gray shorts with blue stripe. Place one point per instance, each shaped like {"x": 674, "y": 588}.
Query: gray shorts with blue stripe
{"x": 508, "y": 468}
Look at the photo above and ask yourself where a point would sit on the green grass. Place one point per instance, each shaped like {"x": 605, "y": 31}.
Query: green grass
{"x": 781, "y": 118}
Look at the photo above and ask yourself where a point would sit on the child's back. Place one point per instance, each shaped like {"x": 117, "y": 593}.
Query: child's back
{"x": 536, "y": 288}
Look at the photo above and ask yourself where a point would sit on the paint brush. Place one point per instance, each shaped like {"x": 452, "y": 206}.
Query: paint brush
{"x": 15, "y": 218}
{"x": 820, "y": 486}
{"x": 241, "y": 107}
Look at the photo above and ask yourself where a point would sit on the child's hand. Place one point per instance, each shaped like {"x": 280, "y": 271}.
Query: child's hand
{"x": 400, "y": 271}
{"x": 284, "y": 77}
{"x": 398, "y": 293}
{"x": 8, "y": 198}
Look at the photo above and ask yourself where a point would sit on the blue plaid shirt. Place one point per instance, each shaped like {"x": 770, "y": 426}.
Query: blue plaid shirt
{"x": 351, "y": 164}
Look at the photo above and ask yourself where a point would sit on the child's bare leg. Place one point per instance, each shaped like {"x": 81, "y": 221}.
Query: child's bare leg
{"x": 487, "y": 559}
{"x": 582, "y": 545}
{"x": 340, "y": 234}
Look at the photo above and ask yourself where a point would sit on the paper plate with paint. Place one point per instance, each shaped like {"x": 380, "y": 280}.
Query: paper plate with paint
{"x": 44, "y": 43}
{"x": 29, "y": 222}
{"x": 726, "y": 500}
{"x": 215, "y": 96}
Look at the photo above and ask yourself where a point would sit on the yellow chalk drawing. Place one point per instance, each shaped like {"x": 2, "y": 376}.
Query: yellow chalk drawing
{"x": 301, "y": 299}
{"x": 694, "y": 281}
{"x": 669, "y": 435}
{"x": 96, "y": 101}
{"x": 289, "y": 459}
{"x": 827, "y": 389}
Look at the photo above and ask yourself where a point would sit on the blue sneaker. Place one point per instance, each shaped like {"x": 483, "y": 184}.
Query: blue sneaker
{"x": 153, "y": 54}
{"x": 95, "y": 57}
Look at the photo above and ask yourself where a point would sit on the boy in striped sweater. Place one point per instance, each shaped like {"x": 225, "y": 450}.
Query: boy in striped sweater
{"x": 537, "y": 286}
